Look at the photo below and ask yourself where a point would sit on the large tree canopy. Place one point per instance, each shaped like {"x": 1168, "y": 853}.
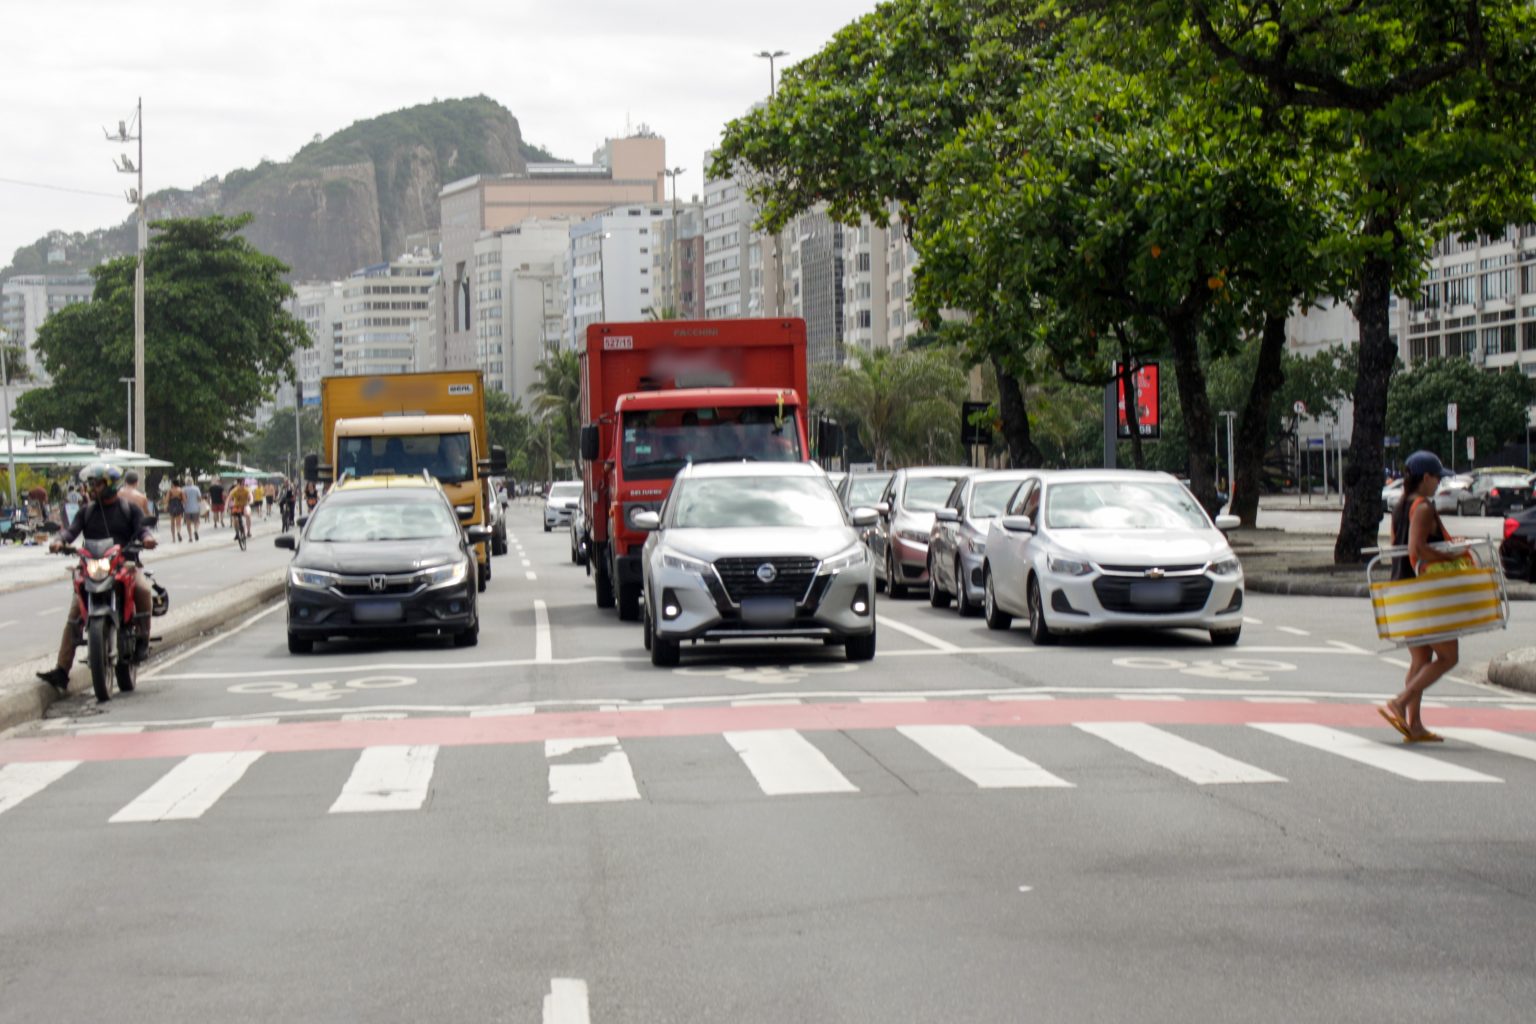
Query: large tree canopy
{"x": 217, "y": 340}
{"x": 1490, "y": 407}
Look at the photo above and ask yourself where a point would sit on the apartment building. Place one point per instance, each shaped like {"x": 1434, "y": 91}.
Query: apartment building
{"x": 629, "y": 170}
{"x": 816, "y": 294}
{"x": 381, "y": 306}
{"x": 1478, "y": 302}
{"x": 29, "y": 299}
{"x": 518, "y": 307}
{"x": 679, "y": 261}
{"x": 319, "y": 305}
{"x": 610, "y": 266}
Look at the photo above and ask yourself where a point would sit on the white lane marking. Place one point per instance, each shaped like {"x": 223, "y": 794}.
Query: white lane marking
{"x": 48, "y": 611}
{"x": 543, "y": 650}
{"x": 372, "y": 716}
{"x": 1280, "y": 700}
{"x": 189, "y": 789}
{"x": 1147, "y": 696}
{"x": 917, "y": 634}
{"x": 20, "y": 780}
{"x": 766, "y": 701}
{"x": 605, "y": 780}
{"x": 1021, "y": 696}
{"x": 1398, "y": 662}
{"x": 1292, "y": 630}
{"x": 980, "y": 758}
{"x": 241, "y": 723}
{"x": 566, "y": 1002}
{"x": 526, "y": 563}
{"x": 893, "y": 699}
{"x": 1249, "y": 620}
{"x": 155, "y": 670}
{"x": 1395, "y": 759}
{"x": 1518, "y": 707}
{"x": 500, "y": 712}
{"x": 1198, "y": 764}
{"x": 1503, "y": 742}
{"x": 531, "y": 575}
{"x": 392, "y": 778}
{"x": 784, "y": 762}
{"x": 8, "y": 622}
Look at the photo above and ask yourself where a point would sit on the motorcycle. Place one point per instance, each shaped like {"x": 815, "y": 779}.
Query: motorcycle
{"x": 103, "y": 579}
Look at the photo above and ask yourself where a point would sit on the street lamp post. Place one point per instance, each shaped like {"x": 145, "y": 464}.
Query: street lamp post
{"x": 771, "y": 57}
{"x": 5, "y": 402}
{"x": 128, "y": 414}
{"x": 136, "y": 198}
{"x": 1231, "y": 460}
{"x": 672, "y": 289}
{"x": 602, "y": 284}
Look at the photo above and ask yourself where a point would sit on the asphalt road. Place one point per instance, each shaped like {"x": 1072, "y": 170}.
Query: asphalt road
{"x": 545, "y": 828}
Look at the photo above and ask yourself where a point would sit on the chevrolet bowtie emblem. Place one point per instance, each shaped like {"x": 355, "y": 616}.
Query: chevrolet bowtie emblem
{"x": 1155, "y": 574}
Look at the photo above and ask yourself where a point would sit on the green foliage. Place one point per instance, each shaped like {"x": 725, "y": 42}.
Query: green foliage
{"x": 272, "y": 447}
{"x": 15, "y": 365}
{"x": 218, "y": 339}
{"x": 510, "y": 427}
{"x": 1490, "y": 407}
{"x": 557, "y": 400}
{"x": 903, "y": 406}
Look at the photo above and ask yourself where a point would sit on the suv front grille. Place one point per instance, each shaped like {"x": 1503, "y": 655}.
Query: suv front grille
{"x": 739, "y": 575}
{"x": 1118, "y": 594}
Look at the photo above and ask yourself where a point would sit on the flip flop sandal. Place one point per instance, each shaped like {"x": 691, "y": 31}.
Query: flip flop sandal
{"x": 1428, "y": 737}
{"x": 1395, "y": 722}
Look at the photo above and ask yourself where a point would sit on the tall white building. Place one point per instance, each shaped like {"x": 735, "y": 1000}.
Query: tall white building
{"x": 519, "y": 301}
{"x": 381, "y": 306}
{"x": 1478, "y": 302}
{"x": 609, "y": 267}
{"x": 319, "y": 306}
{"x": 29, "y": 299}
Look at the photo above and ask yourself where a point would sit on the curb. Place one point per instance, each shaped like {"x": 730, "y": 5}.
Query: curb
{"x": 1515, "y": 669}
{"x": 64, "y": 566}
{"x": 1279, "y": 583}
{"x": 23, "y": 698}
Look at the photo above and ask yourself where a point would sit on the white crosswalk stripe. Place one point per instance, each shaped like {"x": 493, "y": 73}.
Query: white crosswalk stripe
{"x": 784, "y": 762}
{"x": 605, "y": 779}
{"x": 189, "y": 789}
{"x": 1503, "y": 742}
{"x": 1199, "y": 764}
{"x": 394, "y": 778}
{"x": 1395, "y": 759}
{"x": 21, "y": 780}
{"x": 980, "y": 758}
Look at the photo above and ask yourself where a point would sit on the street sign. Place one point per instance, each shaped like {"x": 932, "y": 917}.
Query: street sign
{"x": 1300, "y": 408}
{"x": 1450, "y": 416}
{"x": 1314, "y": 442}
{"x": 975, "y": 433}
{"x": 1392, "y": 441}
{"x": 1148, "y": 411}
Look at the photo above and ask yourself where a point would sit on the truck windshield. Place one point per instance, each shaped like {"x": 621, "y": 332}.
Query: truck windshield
{"x": 445, "y": 456}
{"x": 659, "y": 442}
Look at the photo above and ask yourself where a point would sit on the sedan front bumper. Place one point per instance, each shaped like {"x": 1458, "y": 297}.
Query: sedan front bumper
{"x": 687, "y": 606}
{"x": 1102, "y": 601}
{"x": 320, "y": 613}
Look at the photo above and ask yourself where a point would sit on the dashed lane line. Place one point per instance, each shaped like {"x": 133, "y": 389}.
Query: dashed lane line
{"x": 1292, "y": 630}
{"x": 917, "y": 634}
{"x": 543, "y": 650}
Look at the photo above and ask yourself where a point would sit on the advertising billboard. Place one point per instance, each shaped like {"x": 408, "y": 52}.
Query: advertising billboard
{"x": 1148, "y": 420}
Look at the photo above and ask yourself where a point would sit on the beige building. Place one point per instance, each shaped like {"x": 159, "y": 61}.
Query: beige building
{"x": 624, "y": 171}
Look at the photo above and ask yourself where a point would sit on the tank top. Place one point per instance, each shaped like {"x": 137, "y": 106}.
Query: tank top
{"x": 1402, "y": 567}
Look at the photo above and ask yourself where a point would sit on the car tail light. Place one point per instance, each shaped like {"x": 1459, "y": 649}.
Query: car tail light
{"x": 1493, "y": 492}
{"x": 1511, "y": 524}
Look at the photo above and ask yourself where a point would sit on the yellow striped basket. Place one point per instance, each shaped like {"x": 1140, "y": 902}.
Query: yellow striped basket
{"x": 1441, "y": 606}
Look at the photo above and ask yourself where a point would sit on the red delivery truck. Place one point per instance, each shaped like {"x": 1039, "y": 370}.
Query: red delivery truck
{"x": 656, "y": 396}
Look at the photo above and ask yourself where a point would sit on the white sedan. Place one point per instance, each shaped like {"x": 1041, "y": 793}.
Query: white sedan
{"x": 1080, "y": 550}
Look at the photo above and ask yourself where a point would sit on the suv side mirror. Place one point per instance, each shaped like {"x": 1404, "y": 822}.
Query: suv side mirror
{"x": 1017, "y": 524}
{"x": 1227, "y": 522}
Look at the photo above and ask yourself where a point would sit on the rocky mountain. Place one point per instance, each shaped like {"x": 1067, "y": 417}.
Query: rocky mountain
{"x": 342, "y": 202}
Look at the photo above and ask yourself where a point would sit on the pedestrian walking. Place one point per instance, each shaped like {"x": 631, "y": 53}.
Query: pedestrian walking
{"x": 216, "y": 501}
{"x": 131, "y": 493}
{"x": 176, "y": 506}
{"x": 192, "y": 498}
{"x": 1416, "y": 525}
{"x": 71, "y": 504}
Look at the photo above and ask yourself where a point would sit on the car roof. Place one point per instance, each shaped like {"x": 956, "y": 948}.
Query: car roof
{"x": 923, "y": 471}
{"x": 713, "y": 470}
{"x": 381, "y": 481}
{"x": 1059, "y": 476}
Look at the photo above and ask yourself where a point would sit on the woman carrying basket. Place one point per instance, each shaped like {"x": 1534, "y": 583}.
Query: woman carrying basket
{"x": 1416, "y": 525}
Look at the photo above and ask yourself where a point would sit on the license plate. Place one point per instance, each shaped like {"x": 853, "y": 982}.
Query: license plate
{"x": 768, "y": 611}
{"x": 1156, "y": 593}
{"x": 378, "y": 611}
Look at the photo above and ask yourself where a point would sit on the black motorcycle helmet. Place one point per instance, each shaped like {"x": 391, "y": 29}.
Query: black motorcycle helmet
{"x": 109, "y": 474}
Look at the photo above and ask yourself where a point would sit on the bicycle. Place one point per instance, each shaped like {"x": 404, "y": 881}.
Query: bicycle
{"x": 239, "y": 518}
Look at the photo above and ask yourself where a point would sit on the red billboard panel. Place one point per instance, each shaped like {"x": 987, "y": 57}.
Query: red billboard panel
{"x": 1148, "y": 418}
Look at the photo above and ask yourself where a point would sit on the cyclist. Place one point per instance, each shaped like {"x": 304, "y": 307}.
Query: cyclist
{"x": 239, "y": 508}
{"x": 286, "y": 505}
{"x": 106, "y": 515}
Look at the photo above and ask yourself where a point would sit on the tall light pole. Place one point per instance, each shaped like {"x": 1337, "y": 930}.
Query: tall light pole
{"x": 5, "y": 403}
{"x": 672, "y": 256}
{"x": 136, "y": 198}
{"x": 128, "y": 414}
{"x": 771, "y": 57}
{"x": 602, "y": 284}
{"x": 1231, "y": 464}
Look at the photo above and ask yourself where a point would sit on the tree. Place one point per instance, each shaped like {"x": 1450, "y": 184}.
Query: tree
{"x": 903, "y": 406}
{"x": 557, "y": 399}
{"x": 15, "y": 357}
{"x": 218, "y": 340}
{"x": 1489, "y": 406}
{"x": 273, "y": 446}
{"x": 510, "y": 427}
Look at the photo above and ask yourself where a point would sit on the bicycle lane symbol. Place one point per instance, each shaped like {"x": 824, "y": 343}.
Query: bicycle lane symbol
{"x": 320, "y": 692}
{"x": 768, "y": 675}
{"x": 1242, "y": 670}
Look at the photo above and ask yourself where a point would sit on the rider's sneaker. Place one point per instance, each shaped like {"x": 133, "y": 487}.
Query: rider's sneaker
{"x": 56, "y": 677}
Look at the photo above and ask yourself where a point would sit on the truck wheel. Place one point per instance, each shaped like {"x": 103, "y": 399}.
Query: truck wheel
{"x": 600, "y": 577}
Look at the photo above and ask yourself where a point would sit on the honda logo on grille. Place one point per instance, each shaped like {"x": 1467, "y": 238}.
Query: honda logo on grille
{"x": 376, "y": 583}
{"x": 766, "y": 573}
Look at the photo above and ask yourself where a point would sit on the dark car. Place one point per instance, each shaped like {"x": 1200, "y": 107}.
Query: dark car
{"x": 1518, "y": 552}
{"x": 383, "y": 556}
{"x": 1494, "y": 494}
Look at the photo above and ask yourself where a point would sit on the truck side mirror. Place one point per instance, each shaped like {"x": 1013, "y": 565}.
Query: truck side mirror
{"x": 589, "y": 440}
{"x": 498, "y": 460}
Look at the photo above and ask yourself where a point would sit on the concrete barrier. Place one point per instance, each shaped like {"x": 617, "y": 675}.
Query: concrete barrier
{"x": 1515, "y": 669}
{"x": 23, "y": 697}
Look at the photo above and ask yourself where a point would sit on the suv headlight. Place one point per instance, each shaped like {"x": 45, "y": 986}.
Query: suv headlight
{"x": 1068, "y": 566}
{"x": 447, "y": 575}
{"x": 856, "y": 555}
{"x": 312, "y": 578}
{"x": 1228, "y": 566}
{"x": 684, "y": 563}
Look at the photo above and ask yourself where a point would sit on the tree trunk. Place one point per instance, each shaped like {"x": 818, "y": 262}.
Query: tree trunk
{"x": 1022, "y": 451}
{"x": 1198, "y": 421}
{"x": 1360, "y": 524}
{"x": 1252, "y": 440}
{"x": 1128, "y": 368}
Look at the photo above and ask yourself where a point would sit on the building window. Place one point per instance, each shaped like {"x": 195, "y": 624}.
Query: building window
{"x": 1528, "y": 339}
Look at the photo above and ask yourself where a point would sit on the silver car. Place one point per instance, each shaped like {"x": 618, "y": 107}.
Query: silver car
{"x": 560, "y": 504}
{"x": 755, "y": 550}
{"x": 957, "y": 547}
{"x": 900, "y": 542}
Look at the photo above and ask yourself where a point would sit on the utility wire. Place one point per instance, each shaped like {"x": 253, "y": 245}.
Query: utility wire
{"x": 59, "y": 188}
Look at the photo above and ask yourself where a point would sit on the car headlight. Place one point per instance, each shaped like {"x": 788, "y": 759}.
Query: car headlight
{"x": 310, "y": 578}
{"x": 1228, "y": 566}
{"x": 1068, "y": 566}
{"x": 447, "y": 575}
{"x": 684, "y": 563}
{"x": 856, "y": 555}
{"x": 915, "y": 536}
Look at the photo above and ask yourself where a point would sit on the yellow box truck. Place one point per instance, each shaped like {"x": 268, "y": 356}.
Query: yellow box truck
{"x": 404, "y": 423}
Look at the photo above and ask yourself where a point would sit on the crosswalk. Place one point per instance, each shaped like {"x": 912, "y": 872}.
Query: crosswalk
{"x": 788, "y": 762}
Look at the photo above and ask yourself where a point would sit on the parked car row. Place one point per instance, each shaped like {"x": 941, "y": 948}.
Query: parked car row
{"x": 1494, "y": 491}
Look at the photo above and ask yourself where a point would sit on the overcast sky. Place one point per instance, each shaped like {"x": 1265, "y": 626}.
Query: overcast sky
{"x": 226, "y": 84}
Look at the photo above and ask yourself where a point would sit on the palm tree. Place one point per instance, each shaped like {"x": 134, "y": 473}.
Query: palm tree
{"x": 557, "y": 397}
{"x": 905, "y": 405}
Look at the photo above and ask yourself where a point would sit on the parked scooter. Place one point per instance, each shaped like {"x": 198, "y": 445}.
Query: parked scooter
{"x": 103, "y": 579}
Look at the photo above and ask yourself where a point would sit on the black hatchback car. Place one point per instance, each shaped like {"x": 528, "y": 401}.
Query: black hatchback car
{"x": 1518, "y": 552}
{"x": 1495, "y": 494}
{"x": 383, "y": 556}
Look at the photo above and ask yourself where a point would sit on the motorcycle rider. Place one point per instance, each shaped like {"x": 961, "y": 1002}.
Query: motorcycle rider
{"x": 104, "y": 517}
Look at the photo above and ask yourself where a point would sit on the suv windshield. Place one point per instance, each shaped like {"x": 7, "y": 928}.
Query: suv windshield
{"x": 927, "y": 493}
{"x": 755, "y": 501}
{"x": 445, "y": 456}
{"x": 385, "y": 517}
{"x": 1122, "y": 505}
{"x": 657, "y": 443}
